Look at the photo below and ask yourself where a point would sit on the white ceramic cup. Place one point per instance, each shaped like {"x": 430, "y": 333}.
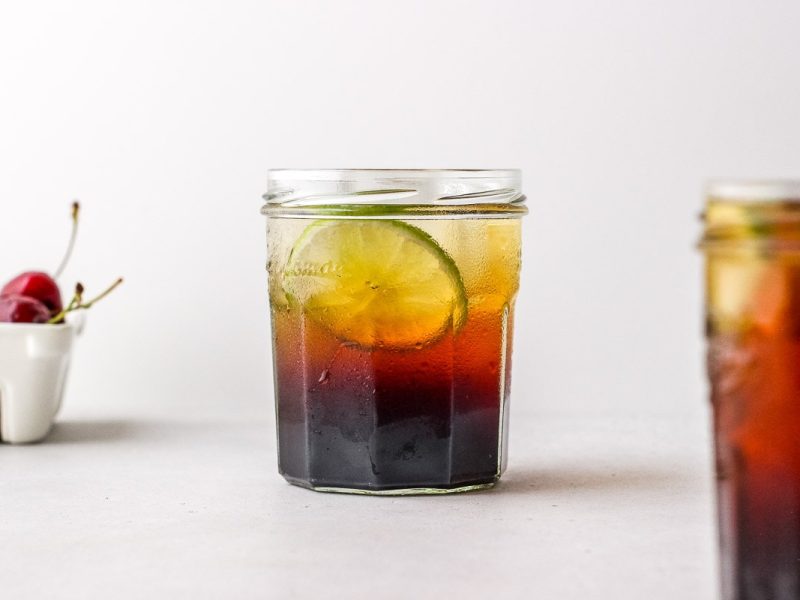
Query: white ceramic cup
{"x": 34, "y": 361}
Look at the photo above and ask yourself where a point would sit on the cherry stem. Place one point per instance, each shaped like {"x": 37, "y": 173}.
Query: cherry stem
{"x": 77, "y": 303}
{"x": 75, "y": 210}
{"x": 102, "y": 295}
{"x": 76, "y": 298}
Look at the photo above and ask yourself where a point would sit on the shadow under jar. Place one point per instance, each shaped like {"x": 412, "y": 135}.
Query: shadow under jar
{"x": 752, "y": 247}
{"x": 392, "y": 302}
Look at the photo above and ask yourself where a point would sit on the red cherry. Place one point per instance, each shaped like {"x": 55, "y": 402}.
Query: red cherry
{"x": 37, "y": 285}
{"x": 15, "y": 308}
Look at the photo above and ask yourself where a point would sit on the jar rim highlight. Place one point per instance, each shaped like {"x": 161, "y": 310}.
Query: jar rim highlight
{"x": 401, "y": 193}
{"x": 753, "y": 190}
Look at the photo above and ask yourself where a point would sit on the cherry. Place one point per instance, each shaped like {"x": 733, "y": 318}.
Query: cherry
{"x": 15, "y": 308}
{"x": 34, "y": 297}
{"x": 37, "y": 285}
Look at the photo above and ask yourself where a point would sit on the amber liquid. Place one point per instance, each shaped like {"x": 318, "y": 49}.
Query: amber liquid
{"x": 754, "y": 367}
{"x": 429, "y": 417}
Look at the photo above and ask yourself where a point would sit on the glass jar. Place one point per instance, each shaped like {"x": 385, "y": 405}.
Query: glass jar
{"x": 392, "y": 303}
{"x": 752, "y": 247}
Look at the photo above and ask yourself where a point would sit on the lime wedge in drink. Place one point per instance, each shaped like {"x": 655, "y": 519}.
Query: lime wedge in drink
{"x": 376, "y": 283}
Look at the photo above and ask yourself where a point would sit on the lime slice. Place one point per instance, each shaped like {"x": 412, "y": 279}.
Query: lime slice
{"x": 376, "y": 283}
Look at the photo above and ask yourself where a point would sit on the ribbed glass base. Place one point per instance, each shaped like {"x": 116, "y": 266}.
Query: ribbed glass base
{"x": 411, "y": 491}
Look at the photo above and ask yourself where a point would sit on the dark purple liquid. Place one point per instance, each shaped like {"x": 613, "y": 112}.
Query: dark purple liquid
{"x": 756, "y": 395}
{"x": 388, "y": 420}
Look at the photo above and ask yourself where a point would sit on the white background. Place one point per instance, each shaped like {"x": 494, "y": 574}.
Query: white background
{"x": 163, "y": 118}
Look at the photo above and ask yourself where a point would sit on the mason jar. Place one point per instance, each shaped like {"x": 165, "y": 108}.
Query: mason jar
{"x": 392, "y": 303}
{"x": 752, "y": 248}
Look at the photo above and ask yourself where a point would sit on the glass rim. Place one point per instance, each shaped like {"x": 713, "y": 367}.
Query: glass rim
{"x": 753, "y": 190}
{"x": 420, "y": 192}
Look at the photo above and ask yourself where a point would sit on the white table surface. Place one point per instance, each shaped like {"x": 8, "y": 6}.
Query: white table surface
{"x": 590, "y": 507}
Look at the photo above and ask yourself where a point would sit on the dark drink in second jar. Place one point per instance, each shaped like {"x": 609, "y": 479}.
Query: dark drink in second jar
{"x": 753, "y": 287}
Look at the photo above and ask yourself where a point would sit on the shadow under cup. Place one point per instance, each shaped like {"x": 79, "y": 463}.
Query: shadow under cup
{"x": 392, "y": 303}
{"x": 752, "y": 248}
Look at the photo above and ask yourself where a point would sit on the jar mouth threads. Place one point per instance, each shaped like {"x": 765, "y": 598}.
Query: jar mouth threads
{"x": 410, "y": 193}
